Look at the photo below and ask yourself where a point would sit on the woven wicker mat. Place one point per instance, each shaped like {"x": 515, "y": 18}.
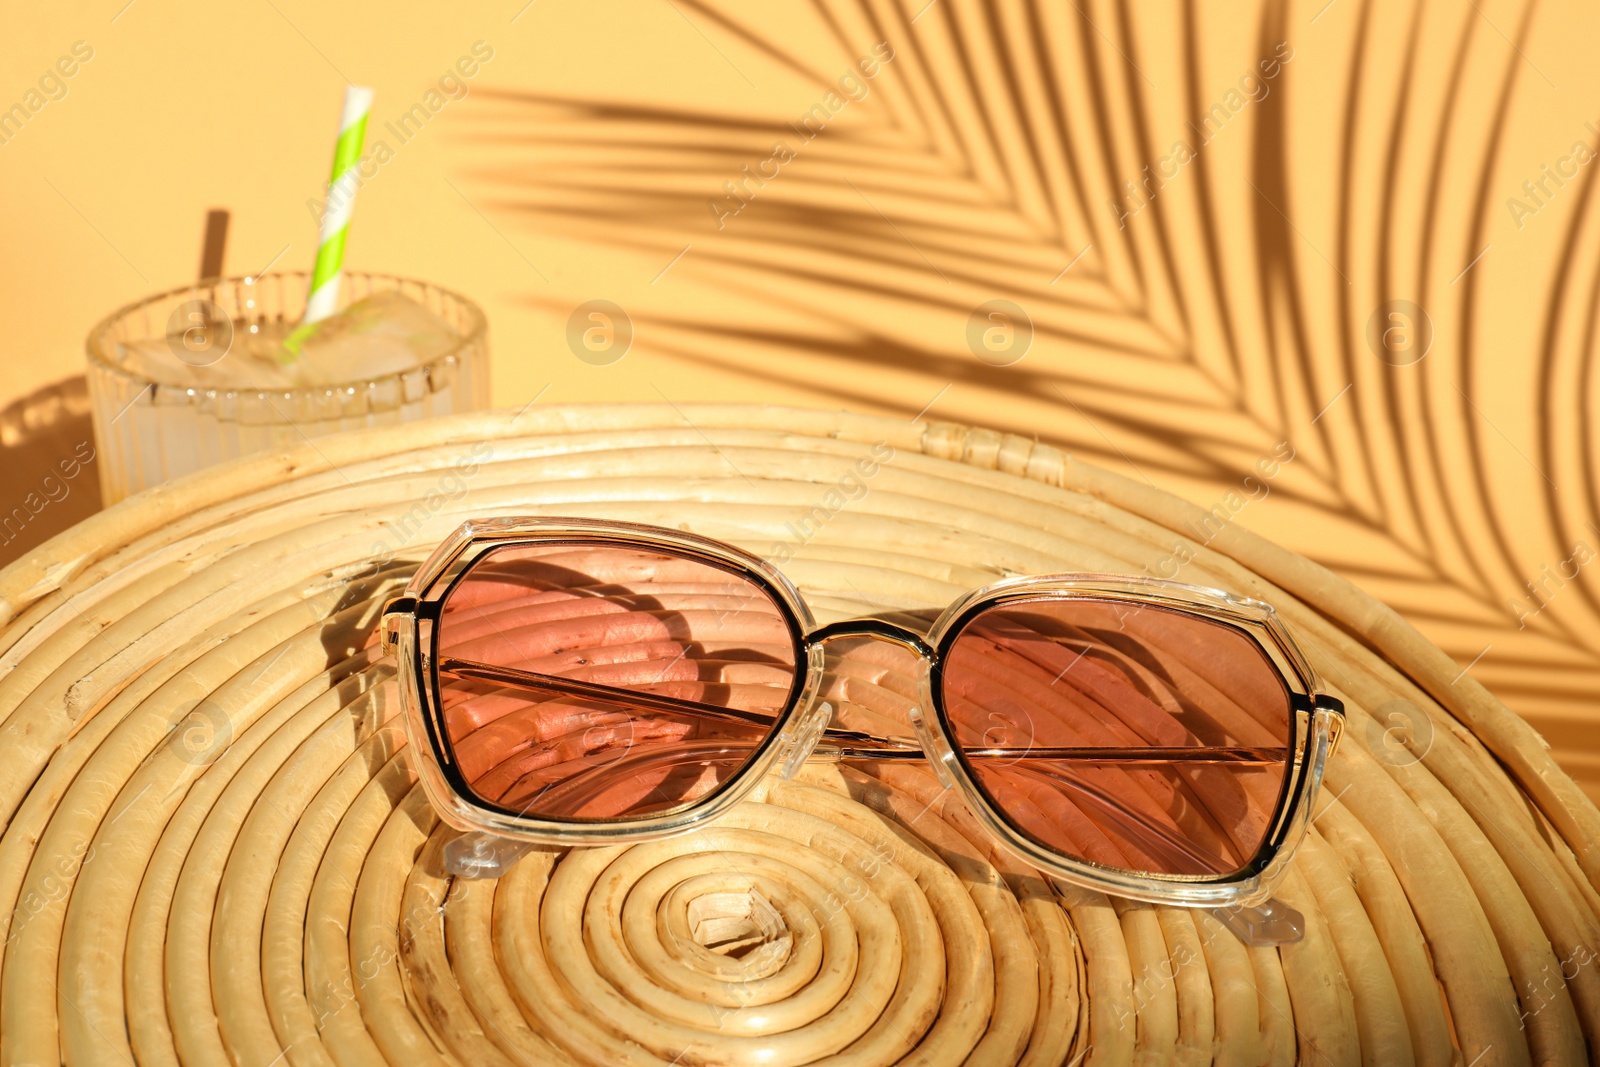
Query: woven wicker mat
{"x": 215, "y": 852}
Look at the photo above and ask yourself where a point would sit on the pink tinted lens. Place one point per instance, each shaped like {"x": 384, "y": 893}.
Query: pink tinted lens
{"x": 1132, "y": 736}
{"x": 583, "y": 681}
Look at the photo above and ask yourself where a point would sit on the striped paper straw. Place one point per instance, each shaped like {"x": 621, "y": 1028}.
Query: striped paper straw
{"x": 324, "y": 296}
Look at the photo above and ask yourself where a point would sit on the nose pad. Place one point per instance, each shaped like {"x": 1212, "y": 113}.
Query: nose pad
{"x": 806, "y": 738}
{"x": 938, "y": 755}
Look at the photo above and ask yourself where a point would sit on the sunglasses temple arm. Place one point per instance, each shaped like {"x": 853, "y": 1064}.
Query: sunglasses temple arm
{"x": 840, "y": 744}
{"x": 852, "y": 745}
{"x": 1134, "y": 756}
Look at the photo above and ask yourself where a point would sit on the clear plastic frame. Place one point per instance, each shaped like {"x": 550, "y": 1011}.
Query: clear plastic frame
{"x": 801, "y": 730}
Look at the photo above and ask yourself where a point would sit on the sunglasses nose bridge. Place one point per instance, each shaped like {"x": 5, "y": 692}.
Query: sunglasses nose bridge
{"x": 873, "y": 628}
{"x": 929, "y": 746}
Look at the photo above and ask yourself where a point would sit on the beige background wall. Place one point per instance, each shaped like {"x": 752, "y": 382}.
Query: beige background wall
{"x": 1182, "y": 337}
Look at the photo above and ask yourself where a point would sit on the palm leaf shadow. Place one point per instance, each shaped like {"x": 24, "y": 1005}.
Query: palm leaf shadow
{"x": 1179, "y": 341}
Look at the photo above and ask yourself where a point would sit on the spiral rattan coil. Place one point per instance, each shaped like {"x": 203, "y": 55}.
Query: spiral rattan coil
{"x": 215, "y": 850}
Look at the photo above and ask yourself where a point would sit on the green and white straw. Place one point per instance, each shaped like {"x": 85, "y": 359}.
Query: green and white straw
{"x": 323, "y": 299}
{"x": 342, "y": 186}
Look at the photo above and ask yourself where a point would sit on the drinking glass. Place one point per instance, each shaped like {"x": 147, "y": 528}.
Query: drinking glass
{"x": 152, "y": 427}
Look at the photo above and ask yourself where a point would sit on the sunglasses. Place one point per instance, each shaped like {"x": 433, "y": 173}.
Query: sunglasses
{"x": 583, "y": 682}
